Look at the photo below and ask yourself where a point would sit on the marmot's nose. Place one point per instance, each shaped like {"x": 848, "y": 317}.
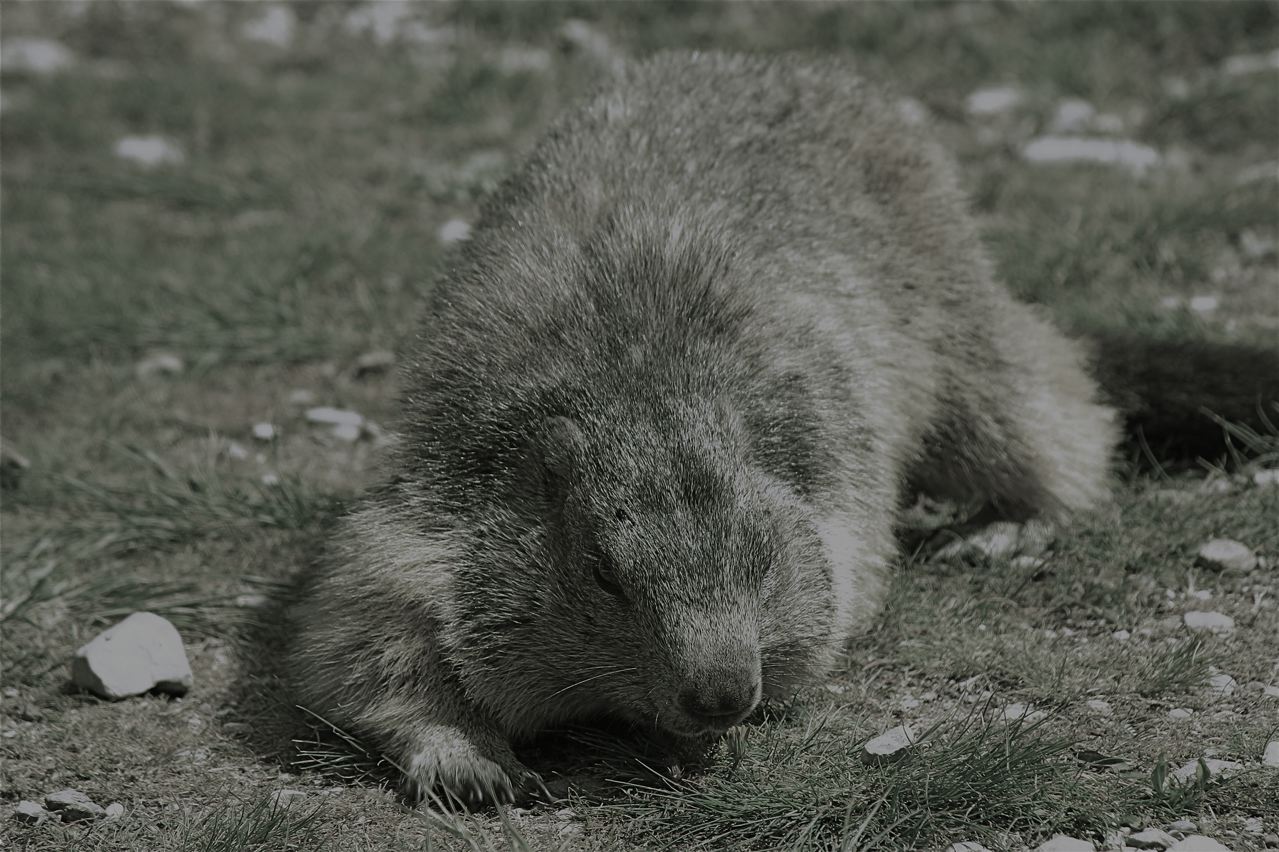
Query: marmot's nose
{"x": 723, "y": 701}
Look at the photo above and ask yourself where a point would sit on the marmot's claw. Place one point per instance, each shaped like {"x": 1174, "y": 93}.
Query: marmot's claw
{"x": 458, "y": 778}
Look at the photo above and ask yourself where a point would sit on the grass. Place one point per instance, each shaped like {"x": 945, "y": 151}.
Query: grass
{"x": 299, "y": 232}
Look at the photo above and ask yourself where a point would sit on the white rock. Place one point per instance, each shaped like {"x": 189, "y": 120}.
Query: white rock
{"x": 334, "y": 417}
{"x": 1228, "y": 555}
{"x": 1064, "y": 843}
{"x": 1178, "y": 714}
{"x": 115, "y": 810}
{"x": 1121, "y": 635}
{"x": 73, "y": 806}
{"x": 1211, "y": 622}
{"x": 236, "y": 451}
{"x": 966, "y": 846}
{"x": 890, "y": 745}
{"x": 1270, "y": 757}
{"x": 1020, "y": 713}
{"x": 913, "y": 111}
{"x": 376, "y": 361}
{"x": 1251, "y": 63}
{"x": 453, "y": 231}
{"x": 1270, "y": 691}
{"x": 1151, "y": 838}
{"x": 1183, "y": 825}
{"x": 276, "y": 25}
{"x": 993, "y": 100}
{"x": 1221, "y": 685}
{"x": 1086, "y": 149}
{"x": 141, "y": 653}
{"x": 1101, "y": 708}
{"x": 348, "y": 432}
{"x": 1200, "y": 594}
{"x": 30, "y": 813}
{"x": 1253, "y": 825}
{"x": 1072, "y": 115}
{"x": 34, "y": 56}
{"x": 1266, "y": 478}
{"x": 264, "y": 431}
{"x": 270, "y": 479}
{"x": 1216, "y": 769}
{"x": 149, "y": 151}
{"x": 159, "y": 362}
{"x": 1197, "y": 843}
{"x": 1204, "y": 304}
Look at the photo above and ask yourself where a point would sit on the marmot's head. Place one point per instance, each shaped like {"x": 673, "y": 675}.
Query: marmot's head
{"x": 683, "y": 585}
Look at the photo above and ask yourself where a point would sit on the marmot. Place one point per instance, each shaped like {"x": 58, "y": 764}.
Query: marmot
{"x": 661, "y": 418}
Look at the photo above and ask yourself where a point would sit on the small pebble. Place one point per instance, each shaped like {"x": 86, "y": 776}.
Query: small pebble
{"x": 1271, "y": 840}
{"x": 1266, "y": 478}
{"x": 453, "y": 231}
{"x": 1100, "y": 707}
{"x": 140, "y": 653}
{"x": 1228, "y": 555}
{"x": 1210, "y": 622}
{"x": 270, "y": 480}
{"x": 165, "y": 363}
{"x": 1270, "y": 691}
{"x": 378, "y": 361}
{"x": 1185, "y": 825}
{"x": 1204, "y": 304}
{"x": 1178, "y": 714}
{"x": 1064, "y": 843}
{"x": 149, "y": 151}
{"x": 1252, "y": 825}
{"x": 30, "y": 813}
{"x": 1084, "y": 149}
{"x": 993, "y": 100}
{"x": 327, "y": 416}
{"x": 1197, "y": 843}
{"x": 115, "y": 810}
{"x": 348, "y": 432}
{"x": 1221, "y": 685}
{"x": 1072, "y": 116}
{"x": 73, "y": 806}
{"x": 264, "y": 431}
{"x": 1151, "y": 838}
{"x": 34, "y": 56}
{"x": 1270, "y": 757}
{"x": 889, "y": 746}
{"x": 966, "y": 846}
{"x": 1122, "y": 635}
{"x": 236, "y": 451}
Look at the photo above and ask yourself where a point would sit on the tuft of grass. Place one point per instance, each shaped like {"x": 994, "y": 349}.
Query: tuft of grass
{"x": 1176, "y": 669}
{"x": 262, "y": 825}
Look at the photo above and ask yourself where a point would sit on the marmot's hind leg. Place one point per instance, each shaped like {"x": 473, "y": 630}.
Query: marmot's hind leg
{"x": 1021, "y": 428}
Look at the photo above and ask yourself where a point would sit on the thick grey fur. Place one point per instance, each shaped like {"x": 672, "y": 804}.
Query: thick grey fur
{"x": 660, "y": 419}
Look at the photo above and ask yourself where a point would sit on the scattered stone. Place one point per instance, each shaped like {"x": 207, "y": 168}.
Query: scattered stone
{"x": 275, "y": 26}
{"x": 1270, "y": 691}
{"x": 453, "y": 231}
{"x": 1228, "y": 555}
{"x": 1270, "y": 757}
{"x": 270, "y": 480}
{"x": 236, "y": 451}
{"x": 1252, "y": 825}
{"x": 910, "y": 703}
{"x": 334, "y": 417}
{"x": 284, "y": 798}
{"x": 30, "y": 813}
{"x": 1200, "y": 594}
{"x": 73, "y": 806}
{"x": 1197, "y": 843}
{"x": 1064, "y": 843}
{"x": 141, "y": 653}
{"x": 1185, "y": 825}
{"x": 1021, "y": 713}
{"x": 966, "y": 846}
{"x": 377, "y": 361}
{"x": 1085, "y": 149}
{"x": 1179, "y": 714}
{"x": 149, "y": 151}
{"x": 1221, "y": 685}
{"x": 1271, "y": 840}
{"x": 1151, "y": 838}
{"x": 347, "y": 432}
{"x": 159, "y": 363}
{"x": 264, "y": 431}
{"x": 891, "y": 745}
{"x": 1122, "y": 635}
{"x": 1216, "y": 769}
{"x": 836, "y": 688}
{"x": 1072, "y": 116}
{"x": 1001, "y": 540}
{"x": 250, "y": 601}
{"x": 1101, "y": 708}
{"x": 993, "y": 100}
{"x": 34, "y": 56}
{"x": 115, "y": 810}
{"x": 1268, "y": 478}
{"x": 1204, "y": 304}
{"x": 1211, "y": 622}
{"x": 1251, "y": 63}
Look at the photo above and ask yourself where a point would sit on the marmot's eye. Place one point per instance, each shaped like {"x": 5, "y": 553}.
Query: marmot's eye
{"x": 605, "y": 577}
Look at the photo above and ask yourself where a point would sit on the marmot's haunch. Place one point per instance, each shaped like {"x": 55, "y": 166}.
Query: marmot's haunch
{"x": 663, "y": 414}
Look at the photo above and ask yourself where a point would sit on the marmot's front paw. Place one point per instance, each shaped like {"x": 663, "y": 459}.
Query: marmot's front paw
{"x": 451, "y": 770}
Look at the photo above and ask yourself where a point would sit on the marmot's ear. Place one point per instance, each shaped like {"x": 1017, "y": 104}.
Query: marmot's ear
{"x": 560, "y": 447}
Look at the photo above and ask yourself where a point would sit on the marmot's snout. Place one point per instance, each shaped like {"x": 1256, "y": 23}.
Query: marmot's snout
{"x": 723, "y": 699}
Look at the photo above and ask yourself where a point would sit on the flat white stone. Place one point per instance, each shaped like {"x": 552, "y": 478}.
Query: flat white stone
{"x": 1090, "y": 149}
{"x": 149, "y": 151}
{"x": 1204, "y": 304}
{"x": 1180, "y": 714}
{"x": 115, "y": 810}
{"x": 334, "y": 416}
{"x": 264, "y": 431}
{"x": 141, "y": 653}
{"x": 1211, "y": 622}
{"x": 453, "y": 231}
{"x": 1151, "y": 838}
{"x": 30, "y": 813}
{"x": 348, "y": 432}
{"x": 159, "y": 362}
{"x": 1064, "y": 843}
{"x": 1268, "y": 478}
{"x": 1216, "y": 769}
{"x": 34, "y": 56}
{"x": 276, "y": 26}
{"x": 1221, "y": 685}
{"x": 1228, "y": 555}
{"x": 1100, "y": 707}
{"x": 1270, "y": 757}
{"x": 1072, "y": 115}
{"x": 993, "y": 100}
{"x": 890, "y": 745}
{"x": 73, "y": 806}
{"x": 1197, "y": 843}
